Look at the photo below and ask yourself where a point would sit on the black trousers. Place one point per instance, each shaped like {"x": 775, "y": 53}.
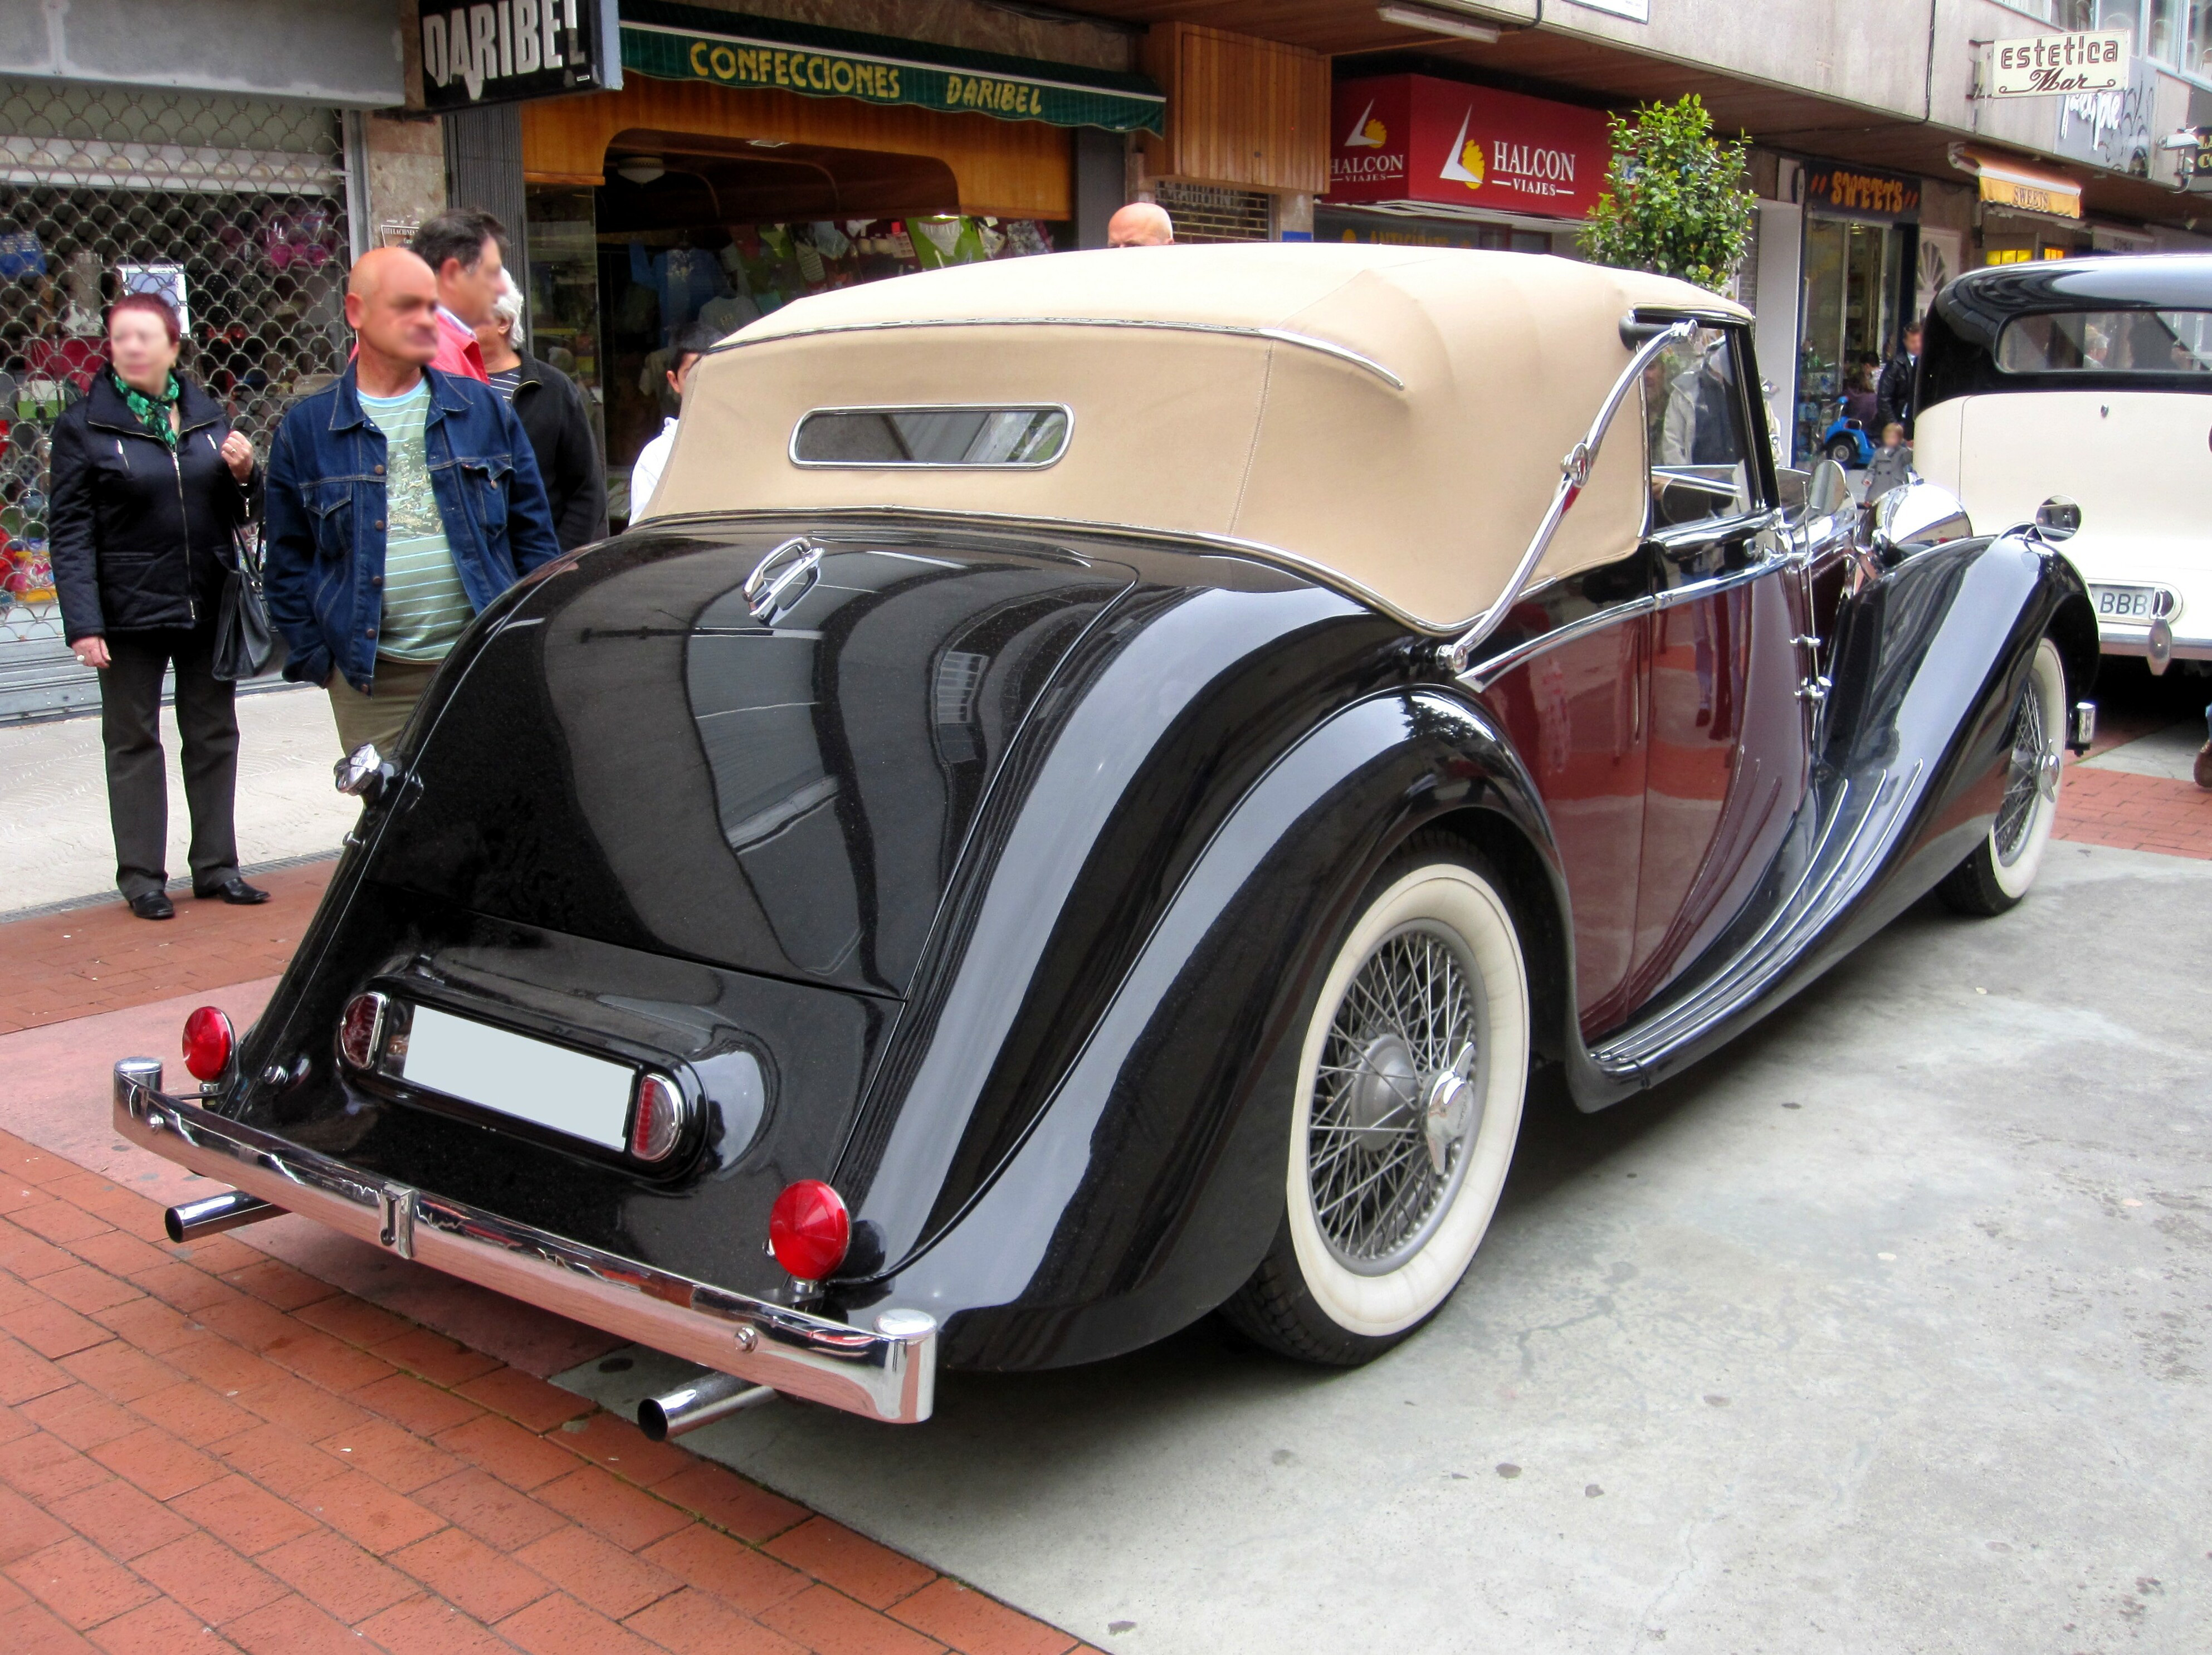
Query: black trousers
{"x": 137, "y": 783}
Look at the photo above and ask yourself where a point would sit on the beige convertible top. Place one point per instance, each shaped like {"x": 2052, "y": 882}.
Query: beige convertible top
{"x": 1393, "y": 416}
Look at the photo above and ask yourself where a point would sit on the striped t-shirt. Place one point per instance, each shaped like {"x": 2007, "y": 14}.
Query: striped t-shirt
{"x": 424, "y": 606}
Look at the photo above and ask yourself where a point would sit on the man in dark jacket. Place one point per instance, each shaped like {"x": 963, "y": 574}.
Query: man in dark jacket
{"x": 401, "y": 502}
{"x": 551, "y": 410}
{"x": 1894, "y": 396}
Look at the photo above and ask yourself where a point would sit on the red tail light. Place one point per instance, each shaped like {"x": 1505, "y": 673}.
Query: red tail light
{"x": 361, "y": 1030}
{"x": 809, "y": 1229}
{"x": 207, "y": 1043}
{"x": 657, "y": 1121}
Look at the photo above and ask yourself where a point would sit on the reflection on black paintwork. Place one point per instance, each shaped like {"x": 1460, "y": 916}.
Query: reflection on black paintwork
{"x": 655, "y": 766}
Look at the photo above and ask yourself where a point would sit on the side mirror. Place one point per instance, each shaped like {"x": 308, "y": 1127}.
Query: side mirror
{"x": 2057, "y": 519}
{"x": 1915, "y": 516}
{"x": 1827, "y": 492}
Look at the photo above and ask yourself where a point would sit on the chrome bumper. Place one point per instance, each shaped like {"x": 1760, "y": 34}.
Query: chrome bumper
{"x": 2137, "y": 643}
{"x": 888, "y": 1372}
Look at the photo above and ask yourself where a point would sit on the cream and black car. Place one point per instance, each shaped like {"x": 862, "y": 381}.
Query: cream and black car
{"x": 1089, "y": 794}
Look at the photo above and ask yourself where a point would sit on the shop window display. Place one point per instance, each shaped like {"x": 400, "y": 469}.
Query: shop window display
{"x": 1854, "y": 278}
{"x": 654, "y": 284}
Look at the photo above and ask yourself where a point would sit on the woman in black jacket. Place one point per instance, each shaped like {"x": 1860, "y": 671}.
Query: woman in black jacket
{"x": 149, "y": 486}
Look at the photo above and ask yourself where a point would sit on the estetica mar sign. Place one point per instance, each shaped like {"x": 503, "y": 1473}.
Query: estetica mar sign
{"x": 1414, "y": 138}
{"x": 2059, "y": 65}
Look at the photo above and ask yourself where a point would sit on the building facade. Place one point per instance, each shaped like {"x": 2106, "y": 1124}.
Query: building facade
{"x": 238, "y": 154}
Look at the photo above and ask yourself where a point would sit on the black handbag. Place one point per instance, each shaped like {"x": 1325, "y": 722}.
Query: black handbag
{"x": 245, "y": 644}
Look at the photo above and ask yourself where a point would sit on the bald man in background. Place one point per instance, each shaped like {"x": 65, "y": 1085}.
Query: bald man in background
{"x": 401, "y": 502}
{"x": 1139, "y": 224}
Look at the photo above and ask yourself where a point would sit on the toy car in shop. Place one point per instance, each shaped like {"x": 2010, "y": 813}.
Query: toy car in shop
{"x": 1089, "y": 795}
{"x": 2090, "y": 382}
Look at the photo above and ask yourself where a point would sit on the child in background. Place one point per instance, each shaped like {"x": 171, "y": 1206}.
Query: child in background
{"x": 1893, "y": 462}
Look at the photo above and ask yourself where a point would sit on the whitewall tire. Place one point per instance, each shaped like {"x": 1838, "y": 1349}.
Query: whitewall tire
{"x": 1411, "y": 1080}
{"x": 2002, "y": 867}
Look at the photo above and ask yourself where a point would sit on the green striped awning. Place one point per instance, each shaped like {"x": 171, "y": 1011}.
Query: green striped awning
{"x": 690, "y": 43}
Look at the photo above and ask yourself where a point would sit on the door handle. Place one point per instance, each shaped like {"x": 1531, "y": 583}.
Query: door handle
{"x": 1640, "y": 682}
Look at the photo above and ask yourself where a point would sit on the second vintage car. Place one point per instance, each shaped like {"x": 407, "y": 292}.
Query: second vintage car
{"x": 1090, "y": 794}
{"x": 2091, "y": 381}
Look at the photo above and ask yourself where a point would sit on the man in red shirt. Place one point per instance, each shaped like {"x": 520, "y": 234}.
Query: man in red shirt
{"x": 466, "y": 248}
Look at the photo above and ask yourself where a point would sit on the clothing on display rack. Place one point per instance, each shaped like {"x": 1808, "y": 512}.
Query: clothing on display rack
{"x": 683, "y": 279}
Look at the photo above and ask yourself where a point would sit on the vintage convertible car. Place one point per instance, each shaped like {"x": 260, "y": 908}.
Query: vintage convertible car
{"x": 2091, "y": 379}
{"x": 1088, "y": 796}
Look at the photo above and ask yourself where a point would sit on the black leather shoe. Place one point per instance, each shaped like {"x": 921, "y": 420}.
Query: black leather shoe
{"x": 235, "y": 891}
{"x": 153, "y": 905}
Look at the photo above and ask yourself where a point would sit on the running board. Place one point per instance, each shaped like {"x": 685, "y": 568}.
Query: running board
{"x": 1861, "y": 829}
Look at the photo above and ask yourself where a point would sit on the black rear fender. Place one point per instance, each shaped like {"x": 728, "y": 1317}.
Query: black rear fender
{"x": 1152, "y": 1183}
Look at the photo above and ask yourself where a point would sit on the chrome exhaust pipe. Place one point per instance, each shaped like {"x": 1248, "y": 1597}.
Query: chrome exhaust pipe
{"x": 226, "y": 1211}
{"x": 706, "y": 1399}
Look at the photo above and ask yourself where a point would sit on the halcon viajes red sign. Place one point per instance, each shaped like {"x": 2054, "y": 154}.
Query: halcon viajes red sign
{"x": 1414, "y": 138}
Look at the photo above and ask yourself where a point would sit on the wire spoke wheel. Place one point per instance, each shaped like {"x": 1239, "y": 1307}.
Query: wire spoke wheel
{"x": 1410, "y": 1017}
{"x": 1408, "y": 1103}
{"x": 1998, "y": 871}
{"x": 2034, "y": 752}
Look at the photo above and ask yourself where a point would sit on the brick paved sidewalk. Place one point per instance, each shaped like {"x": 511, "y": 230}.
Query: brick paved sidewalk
{"x": 203, "y": 1448}
{"x": 2135, "y": 812}
{"x": 102, "y": 957}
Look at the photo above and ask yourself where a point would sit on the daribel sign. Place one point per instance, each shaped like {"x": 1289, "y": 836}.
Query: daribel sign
{"x": 504, "y": 52}
{"x": 2059, "y": 65}
{"x": 1416, "y": 140}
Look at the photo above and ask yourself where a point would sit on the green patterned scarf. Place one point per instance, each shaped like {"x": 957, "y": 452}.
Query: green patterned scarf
{"x": 153, "y": 412}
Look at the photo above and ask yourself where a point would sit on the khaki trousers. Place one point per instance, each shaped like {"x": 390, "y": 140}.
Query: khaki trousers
{"x": 381, "y": 715}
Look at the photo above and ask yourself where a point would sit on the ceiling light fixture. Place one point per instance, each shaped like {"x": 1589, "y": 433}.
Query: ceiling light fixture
{"x": 642, "y": 169}
{"x": 1460, "y": 29}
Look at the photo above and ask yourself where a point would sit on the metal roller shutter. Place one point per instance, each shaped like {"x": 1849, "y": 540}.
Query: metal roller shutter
{"x": 238, "y": 204}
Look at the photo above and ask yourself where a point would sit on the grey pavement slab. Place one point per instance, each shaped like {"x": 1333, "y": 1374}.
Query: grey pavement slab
{"x": 2170, "y": 752}
{"x": 53, "y": 796}
{"x": 1883, "y": 1330}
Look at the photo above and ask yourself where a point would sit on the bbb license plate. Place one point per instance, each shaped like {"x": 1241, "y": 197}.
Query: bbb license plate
{"x": 586, "y": 1098}
{"x": 2125, "y": 603}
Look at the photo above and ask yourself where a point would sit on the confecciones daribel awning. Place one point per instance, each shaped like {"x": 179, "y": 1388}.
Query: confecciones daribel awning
{"x": 687, "y": 43}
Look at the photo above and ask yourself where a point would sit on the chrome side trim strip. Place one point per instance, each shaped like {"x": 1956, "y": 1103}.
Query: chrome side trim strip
{"x": 888, "y": 1373}
{"x": 1277, "y": 335}
{"x": 1697, "y": 590}
{"x": 1481, "y": 676}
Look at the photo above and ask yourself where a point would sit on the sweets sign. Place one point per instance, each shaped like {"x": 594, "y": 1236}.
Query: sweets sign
{"x": 2059, "y": 65}
{"x": 1885, "y": 197}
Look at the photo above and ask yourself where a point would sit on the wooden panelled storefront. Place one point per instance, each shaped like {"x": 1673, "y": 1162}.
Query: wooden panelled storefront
{"x": 1242, "y": 113}
{"x": 1247, "y": 132}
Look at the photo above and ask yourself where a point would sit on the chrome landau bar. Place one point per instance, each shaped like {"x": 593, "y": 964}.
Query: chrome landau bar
{"x": 886, "y": 1372}
{"x": 1574, "y": 474}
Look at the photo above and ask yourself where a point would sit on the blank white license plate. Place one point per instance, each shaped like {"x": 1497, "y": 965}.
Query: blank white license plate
{"x": 584, "y": 1097}
{"x": 2125, "y": 603}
